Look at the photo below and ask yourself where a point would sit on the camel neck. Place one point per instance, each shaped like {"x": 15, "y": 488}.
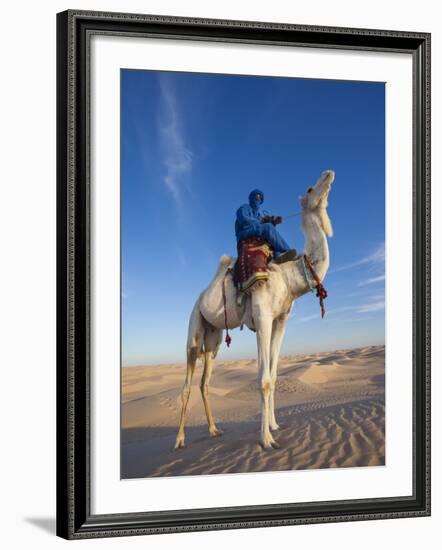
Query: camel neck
{"x": 315, "y": 245}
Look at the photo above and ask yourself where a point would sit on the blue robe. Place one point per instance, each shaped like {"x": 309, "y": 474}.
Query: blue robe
{"x": 248, "y": 224}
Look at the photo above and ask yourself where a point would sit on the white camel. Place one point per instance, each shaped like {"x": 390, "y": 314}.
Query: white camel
{"x": 266, "y": 311}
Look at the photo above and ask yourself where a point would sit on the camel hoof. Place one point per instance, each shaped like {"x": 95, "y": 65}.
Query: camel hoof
{"x": 269, "y": 443}
{"x": 179, "y": 444}
{"x": 215, "y": 432}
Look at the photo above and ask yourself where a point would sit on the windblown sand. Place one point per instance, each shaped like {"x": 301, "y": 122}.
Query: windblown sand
{"x": 330, "y": 408}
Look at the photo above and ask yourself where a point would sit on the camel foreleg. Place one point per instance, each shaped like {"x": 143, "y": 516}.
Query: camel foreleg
{"x": 278, "y": 331}
{"x": 263, "y": 334}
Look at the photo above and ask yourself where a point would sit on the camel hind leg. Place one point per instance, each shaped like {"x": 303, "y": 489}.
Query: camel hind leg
{"x": 195, "y": 339}
{"x": 212, "y": 341}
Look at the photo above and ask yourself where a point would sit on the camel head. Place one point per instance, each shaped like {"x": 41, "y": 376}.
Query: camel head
{"x": 315, "y": 200}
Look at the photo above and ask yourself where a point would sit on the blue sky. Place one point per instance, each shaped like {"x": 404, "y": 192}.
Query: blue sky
{"x": 192, "y": 148}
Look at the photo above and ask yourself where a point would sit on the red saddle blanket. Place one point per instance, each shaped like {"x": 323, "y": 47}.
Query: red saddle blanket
{"x": 251, "y": 265}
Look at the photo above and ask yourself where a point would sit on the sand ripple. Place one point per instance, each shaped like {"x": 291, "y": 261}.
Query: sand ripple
{"x": 330, "y": 408}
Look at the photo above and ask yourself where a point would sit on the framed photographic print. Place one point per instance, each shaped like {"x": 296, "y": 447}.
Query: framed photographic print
{"x": 243, "y": 274}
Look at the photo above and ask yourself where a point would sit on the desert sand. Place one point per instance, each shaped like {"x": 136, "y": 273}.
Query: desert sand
{"x": 330, "y": 408}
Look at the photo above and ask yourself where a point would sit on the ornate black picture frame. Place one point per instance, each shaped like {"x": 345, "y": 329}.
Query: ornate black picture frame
{"x": 74, "y": 518}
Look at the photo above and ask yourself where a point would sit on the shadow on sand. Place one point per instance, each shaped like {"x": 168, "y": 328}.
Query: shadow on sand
{"x": 311, "y": 435}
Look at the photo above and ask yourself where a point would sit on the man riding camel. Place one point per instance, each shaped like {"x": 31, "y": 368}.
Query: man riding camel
{"x": 252, "y": 221}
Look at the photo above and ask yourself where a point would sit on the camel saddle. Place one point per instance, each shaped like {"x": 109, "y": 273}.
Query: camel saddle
{"x": 251, "y": 265}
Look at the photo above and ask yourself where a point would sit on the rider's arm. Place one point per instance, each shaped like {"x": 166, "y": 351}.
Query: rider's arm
{"x": 245, "y": 216}
{"x": 266, "y": 217}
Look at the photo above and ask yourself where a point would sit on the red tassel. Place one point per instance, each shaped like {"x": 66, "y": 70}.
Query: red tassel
{"x": 228, "y": 339}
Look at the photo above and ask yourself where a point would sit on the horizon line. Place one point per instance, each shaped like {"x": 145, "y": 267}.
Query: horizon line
{"x": 142, "y": 365}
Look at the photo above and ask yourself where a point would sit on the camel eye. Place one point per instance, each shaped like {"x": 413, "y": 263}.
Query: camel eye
{"x": 310, "y": 189}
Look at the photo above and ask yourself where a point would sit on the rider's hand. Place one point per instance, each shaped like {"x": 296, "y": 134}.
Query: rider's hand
{"x": 267, "y": 219}
{"x": 276, "y": 220}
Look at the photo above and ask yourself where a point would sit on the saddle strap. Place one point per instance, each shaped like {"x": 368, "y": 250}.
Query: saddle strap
{"x": 228, "y": 339}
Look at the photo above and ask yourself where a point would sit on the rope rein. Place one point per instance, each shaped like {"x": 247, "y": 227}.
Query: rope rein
{"x": 291, "y": 215}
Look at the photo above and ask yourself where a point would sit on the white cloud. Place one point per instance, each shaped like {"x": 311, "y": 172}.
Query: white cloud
{"x": 182, "y": 258}
{"x": 372, "y": 280}
{"x": 328, "y": 312}
{"x": 308, "y": 318}
{"x": 377, "y": 303}
{"x": 377, "y": 256}
{"x": 177, "y": 156}
{"x": 373, "y": 306}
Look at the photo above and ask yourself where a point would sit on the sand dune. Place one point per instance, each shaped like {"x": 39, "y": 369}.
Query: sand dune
{"x": 330, "y": 408}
